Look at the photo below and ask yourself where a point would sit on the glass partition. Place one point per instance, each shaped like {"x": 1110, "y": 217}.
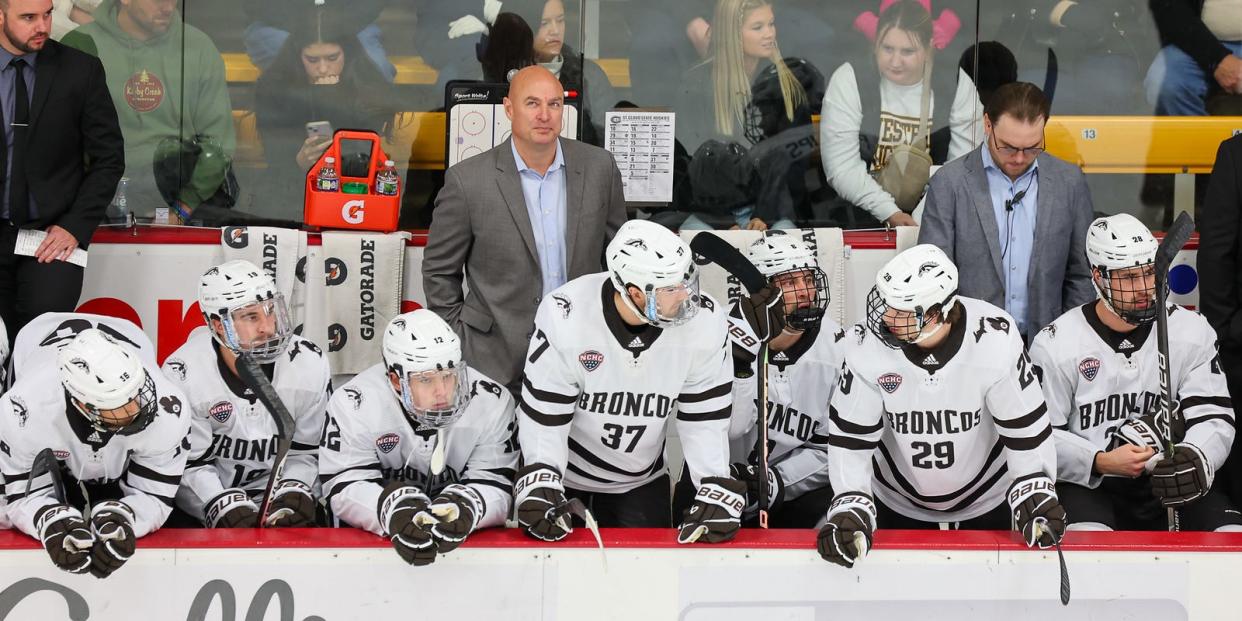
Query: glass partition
{"x": 788, "y": 112}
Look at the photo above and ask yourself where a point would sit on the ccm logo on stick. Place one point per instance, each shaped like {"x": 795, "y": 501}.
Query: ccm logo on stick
{"x": 353, "y": 212}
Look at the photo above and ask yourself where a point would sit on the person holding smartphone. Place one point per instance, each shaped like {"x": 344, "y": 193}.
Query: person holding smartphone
{"x": 320, "y": 81}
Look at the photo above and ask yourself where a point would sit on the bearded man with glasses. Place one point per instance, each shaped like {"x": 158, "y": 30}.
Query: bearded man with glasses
{"x": 1013, "y": 217}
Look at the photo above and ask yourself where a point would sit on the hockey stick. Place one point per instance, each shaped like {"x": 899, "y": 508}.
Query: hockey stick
{"x": 1041, "y": 526}
{"x": 1174, "y": 239}
{"x": 45, "y": 463}
{"x": 250, "y": 373}
{"x": 574, "y": 506}
{"x": 730, "y": 259}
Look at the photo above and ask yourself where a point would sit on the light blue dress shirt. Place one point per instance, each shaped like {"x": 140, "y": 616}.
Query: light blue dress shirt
{"x": 545, "y": 204}
{"x": 1017, "y": 231}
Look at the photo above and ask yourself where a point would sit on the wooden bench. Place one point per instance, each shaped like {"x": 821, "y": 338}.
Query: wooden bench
{"x": 411, "y": 70}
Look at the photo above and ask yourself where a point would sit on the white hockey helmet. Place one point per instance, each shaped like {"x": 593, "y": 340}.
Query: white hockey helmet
{"x": 107, "y": 382}
{"x": 1121, "y": 242}
{"x": 253, "y": 314}
{"x": 791, "y": 264}
{"x": 425, "y": 354}
{"x": 916, "y": 286}
{"x": 652, "y": 258}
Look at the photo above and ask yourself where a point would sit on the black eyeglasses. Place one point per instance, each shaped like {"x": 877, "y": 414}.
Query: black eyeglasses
{"x": 1012, "y": 150}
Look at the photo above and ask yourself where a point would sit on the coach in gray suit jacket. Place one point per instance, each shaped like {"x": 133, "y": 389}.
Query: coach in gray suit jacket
{"x": 1013, "y": 218}
{"x": 522, "y": 219}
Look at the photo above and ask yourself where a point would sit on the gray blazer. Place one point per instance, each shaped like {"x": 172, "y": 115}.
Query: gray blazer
{"x": 480, "y": 223}
{"x": 959, "y": 218}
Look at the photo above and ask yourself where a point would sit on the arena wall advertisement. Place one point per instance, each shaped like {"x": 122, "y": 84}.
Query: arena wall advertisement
{"x": 308, "y": 575}
{"x": 151, "y": 278}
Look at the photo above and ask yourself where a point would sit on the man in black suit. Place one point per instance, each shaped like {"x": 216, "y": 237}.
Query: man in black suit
{"x": 1220, "y": 279}
{"x": 62, "y": 157}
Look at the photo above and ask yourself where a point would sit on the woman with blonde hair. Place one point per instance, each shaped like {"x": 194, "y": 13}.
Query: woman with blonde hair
{"x": 751, "y": 94}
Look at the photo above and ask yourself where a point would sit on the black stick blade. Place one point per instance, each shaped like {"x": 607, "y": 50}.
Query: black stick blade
{"x": 46, "y": 463}
{"x": 1174, "y": 240}
{"x": 722, "y": 253}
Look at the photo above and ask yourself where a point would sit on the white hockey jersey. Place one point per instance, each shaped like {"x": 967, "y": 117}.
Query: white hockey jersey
{"x": 233, "y": 436}
{"x": 369, "y": 441}
{"x": 801, "y": 381}
{"x": 598, "y": 394}
{"x": 1095, "y": 379}
{"x": 144, "y": 468}
{"x": 938, "y": 435}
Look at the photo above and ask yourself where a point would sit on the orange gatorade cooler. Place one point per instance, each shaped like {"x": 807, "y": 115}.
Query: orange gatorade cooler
{"x": 354, "y": 203}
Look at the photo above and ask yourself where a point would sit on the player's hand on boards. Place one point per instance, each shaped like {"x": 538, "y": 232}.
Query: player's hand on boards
{"x": 292, "y": 505}
{"x": 536, "y": 493}
{"x": 1037, "y": 513}
{"x": 399, "y": 505}
{"x": 716, "y": 513}
{"x": 765, "y": 312}
{"x": 1179, "y": 479}
{"x": 232, "y": 508}
{"x": 66, "y": 537}
{"x": 452, "y": 516}
{"x": 750, "y": 475}
{"x": 1126, "y": 460}
{"x": 112, "y": 523}
{"x": 845, "y": 538}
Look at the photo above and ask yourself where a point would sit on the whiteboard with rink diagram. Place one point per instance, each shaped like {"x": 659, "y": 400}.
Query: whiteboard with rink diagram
{"x": 476, "y": 127}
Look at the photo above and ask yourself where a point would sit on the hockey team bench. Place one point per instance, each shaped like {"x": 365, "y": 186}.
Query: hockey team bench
{"x": 342, "y": 574}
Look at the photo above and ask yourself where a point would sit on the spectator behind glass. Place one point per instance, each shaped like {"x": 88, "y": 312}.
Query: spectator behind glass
{"x": 320, "y": 75}
{"x": 666, "y": 40}
{"x": 509, "y": 46}
{"x": 857, "y": 138}
{"x": 547, "y": 20}
{"x": 69, "y": 14}
{"x": 167, "y": 82}
{"x": 741, "y": 96}
{"x": 272, "y": 20}
{"x": 1202, "y": 55}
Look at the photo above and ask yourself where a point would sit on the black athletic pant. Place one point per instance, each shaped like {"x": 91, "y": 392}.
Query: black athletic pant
{"x": 805, "y": 511}
{"x": 999, "y": 518}
{"x": 1128, "y": 504}
{"x": 646, "y": 506}
{"x": 29, "y": 288}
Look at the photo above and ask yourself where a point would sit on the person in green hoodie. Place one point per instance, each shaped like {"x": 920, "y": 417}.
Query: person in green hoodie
{"x": 175, "y": 115}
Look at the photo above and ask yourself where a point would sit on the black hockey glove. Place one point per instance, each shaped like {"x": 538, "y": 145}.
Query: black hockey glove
{"x": 845, "y": 538}
{"x": 716, "y": 513}
{"x": 1182, "y": 478}
{"x": 1037, "y": 513}
{"x": 112, "y": 523}
{"x": 750, "y": 475}
{"x": 452, "y": 516}
{"x": 292, "y": 505}
{"x": 764, "y": 312}
{"x": 66, "y": 537}
{"x": 231, "y": 508}
{"x": 536, "y": 493}
{"x": 398, "y": 505}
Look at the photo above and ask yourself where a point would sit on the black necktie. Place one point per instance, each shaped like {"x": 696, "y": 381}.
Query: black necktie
{"x": 19, "y": 196}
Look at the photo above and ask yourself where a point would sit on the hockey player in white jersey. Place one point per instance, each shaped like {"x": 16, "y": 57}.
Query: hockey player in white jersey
{"x": 116, "y": 430}
{"x": 234, "y": 437}
{"x": 4, "y": 358}
{"x": 614, "y": 356}
{"x": 420, "y": 448}
{"x": 803, "y": 365}
{"x": 938, "y": 418}
{"x": 1101, "y": 378}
